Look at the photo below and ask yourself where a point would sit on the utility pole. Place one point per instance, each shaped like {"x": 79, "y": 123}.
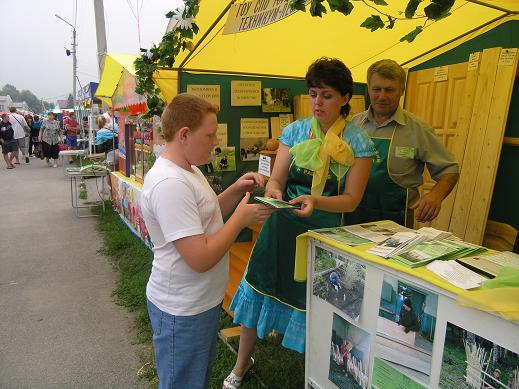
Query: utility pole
{"x": 74, "y": 59}
{"x": 100, "y": 34}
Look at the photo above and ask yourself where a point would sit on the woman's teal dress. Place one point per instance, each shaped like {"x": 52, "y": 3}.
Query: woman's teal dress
{"x": 268, "y": 297}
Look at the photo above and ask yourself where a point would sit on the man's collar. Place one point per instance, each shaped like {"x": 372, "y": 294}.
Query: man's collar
{"x": 398, "y": 116}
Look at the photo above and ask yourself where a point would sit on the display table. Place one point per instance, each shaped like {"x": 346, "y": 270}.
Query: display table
{"x": 73, "y": 177}
{"x": 361, "y": 334}
{"x": 70, "y": 153}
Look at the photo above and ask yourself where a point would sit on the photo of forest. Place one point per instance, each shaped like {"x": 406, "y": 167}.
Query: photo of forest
{"x": 473, "y": 362}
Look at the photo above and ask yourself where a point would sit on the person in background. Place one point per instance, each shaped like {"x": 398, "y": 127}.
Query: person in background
{"x": 9, "y": 144}
{"x": 107, "y": 142}
{"x": 190, "y": 267}
{"x": 405, "y": 145}
{"x": 408, "y": 318}
{"x": 35, "y": 132}
{"x": 71, "y": 129}
{"x": 322, "y": 163}
{"x": 50, "y": 138}
{"x": 21, "y": 134}
{"x": 109, "y": 117}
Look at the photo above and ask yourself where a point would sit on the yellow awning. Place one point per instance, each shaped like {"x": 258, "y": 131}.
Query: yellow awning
{"x": 287, "y": 47}
{"x": 113, "y": 69}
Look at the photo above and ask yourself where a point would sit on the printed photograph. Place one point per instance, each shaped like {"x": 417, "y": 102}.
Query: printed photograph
{"x": 349, "y": 355}
{"x": 473, "y": 362}
{"x": 339, "y": 281}
{"x": 250, "y": 148}
{"x": 223, "y": 159}
{"x": 275, "y": 100}
{"x": 405, "y": 328}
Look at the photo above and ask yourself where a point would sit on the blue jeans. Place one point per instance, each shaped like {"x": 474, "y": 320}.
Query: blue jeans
{"x": 185, "y": 347}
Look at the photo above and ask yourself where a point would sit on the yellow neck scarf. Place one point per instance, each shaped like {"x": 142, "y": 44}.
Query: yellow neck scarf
{"x": 315, "y": 154}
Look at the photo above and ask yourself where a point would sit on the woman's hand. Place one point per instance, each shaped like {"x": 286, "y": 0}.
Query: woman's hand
{"x": 273, "y": 193}
{"x": 248, "y": 182}
{"x": 250, "y": 214}
{"x": 307, "y": 205}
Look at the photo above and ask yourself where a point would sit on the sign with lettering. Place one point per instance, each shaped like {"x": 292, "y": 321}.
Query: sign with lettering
{"x": 253, "y": 14}
{"x": 221, "y": 134}
{"x": 245, "y": 93}
{"x": 210, "y": 93}
{"x": 254, "y": 128}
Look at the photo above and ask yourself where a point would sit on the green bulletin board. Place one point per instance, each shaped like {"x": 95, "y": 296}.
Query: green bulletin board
{"x": 232, "y": 115}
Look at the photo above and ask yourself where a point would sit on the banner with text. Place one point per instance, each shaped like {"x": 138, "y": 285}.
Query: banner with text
{"x": 250, "y": 15}
{"x": 210, "y": 93}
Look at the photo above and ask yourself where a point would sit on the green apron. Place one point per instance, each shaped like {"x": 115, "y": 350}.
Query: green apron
{"x": 383, "y": 198}
{"x": 271, "y": 265}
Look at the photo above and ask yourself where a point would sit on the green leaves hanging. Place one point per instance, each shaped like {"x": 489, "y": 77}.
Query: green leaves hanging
{"x": 374, "y": 22}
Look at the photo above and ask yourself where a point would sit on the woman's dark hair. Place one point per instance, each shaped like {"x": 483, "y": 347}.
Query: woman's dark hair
{"x": 333, "y": 73}
{"x": 36, "y": 118}
{"x": 407, "y": 301}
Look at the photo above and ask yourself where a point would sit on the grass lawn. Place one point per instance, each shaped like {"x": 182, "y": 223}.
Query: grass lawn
{"x": 275, "y": 367}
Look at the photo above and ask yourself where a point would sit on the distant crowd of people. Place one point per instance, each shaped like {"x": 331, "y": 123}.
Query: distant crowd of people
{"x": 26, "y": 136}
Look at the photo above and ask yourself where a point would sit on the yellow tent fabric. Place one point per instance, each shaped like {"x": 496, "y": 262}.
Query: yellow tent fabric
{"x": 287, "y": 47}
{"x": 113, "y": 69}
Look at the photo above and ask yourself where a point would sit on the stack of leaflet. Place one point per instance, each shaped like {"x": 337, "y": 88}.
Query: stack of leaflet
{"x": 438, "y": 249}
{"x": 402, "y": 241}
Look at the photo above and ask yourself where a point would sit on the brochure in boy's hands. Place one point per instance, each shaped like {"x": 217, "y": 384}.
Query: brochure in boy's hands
{"x": 341, "y": 235}
{"x": 278, "y": 204}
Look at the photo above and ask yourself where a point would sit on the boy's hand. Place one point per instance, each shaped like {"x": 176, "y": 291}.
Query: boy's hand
{"x": 252, "y": 213}
{"x": 249, "y": 181}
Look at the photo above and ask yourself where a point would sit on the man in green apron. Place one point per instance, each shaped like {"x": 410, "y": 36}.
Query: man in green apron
{"x": 405, "y": 145}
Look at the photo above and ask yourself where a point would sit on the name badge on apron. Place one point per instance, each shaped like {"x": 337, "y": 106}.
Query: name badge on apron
{"x": 404, "y": 152}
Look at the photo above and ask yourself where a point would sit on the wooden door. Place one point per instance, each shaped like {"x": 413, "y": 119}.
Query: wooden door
{"x": 436, "y": 98}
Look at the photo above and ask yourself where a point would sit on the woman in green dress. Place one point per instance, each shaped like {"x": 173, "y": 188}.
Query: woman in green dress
{"x": 323, "y": 164}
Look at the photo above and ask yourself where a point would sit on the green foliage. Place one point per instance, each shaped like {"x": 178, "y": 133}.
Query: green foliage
{"x": 70, "y": 101}
{"x": 412, "y": 35}
{"x": 379, "y": 2}
{"x": 317, "y": 8}
{"x": 374, "y": 22}
{"x": 34, "y": 103}
{"x": 343, "y": 6}
{"x": 411, "y": 8}
{"x": 438, "y": 9}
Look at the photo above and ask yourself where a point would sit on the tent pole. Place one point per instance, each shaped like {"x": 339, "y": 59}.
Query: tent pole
{"x": 483, "y": 4}
{"x": 454, "y": 39}
{"x": 207, "y": 32}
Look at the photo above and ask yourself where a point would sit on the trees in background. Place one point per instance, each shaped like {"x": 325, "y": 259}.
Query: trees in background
{"x": 34, "y": 103}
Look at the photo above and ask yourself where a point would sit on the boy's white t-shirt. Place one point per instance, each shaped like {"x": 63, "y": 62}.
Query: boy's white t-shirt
{"x": 176, "y": 203}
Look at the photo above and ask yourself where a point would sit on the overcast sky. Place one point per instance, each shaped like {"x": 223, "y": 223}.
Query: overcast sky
{"x": 34, "y": 40}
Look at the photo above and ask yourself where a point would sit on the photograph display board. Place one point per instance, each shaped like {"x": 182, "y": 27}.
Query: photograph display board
{"x": 402, "y": 333}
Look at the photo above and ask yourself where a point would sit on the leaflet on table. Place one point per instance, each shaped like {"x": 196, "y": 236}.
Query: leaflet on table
{"x": 342, "y": 235}
{"x": 428, "y": 251}
{"x": 425, "y": 252}
{"x": 396, "y": 243}
{"x": 456, "y": 274}
{"x": 376, "y": 232}
{"x": 506, "y": 258}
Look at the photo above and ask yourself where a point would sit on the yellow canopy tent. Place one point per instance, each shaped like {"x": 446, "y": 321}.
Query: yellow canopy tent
{"x": 116, "y": 66}
{"x": 286, "y": 48}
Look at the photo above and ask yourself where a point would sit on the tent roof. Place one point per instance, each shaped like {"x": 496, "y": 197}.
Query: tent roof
{"x": 287, "y": 47}
{"x": 115, "y": 66}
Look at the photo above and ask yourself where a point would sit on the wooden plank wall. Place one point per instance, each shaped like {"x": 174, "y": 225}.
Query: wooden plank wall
{"x": 492, "y": 143}
{"x": 483, "y": 147}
